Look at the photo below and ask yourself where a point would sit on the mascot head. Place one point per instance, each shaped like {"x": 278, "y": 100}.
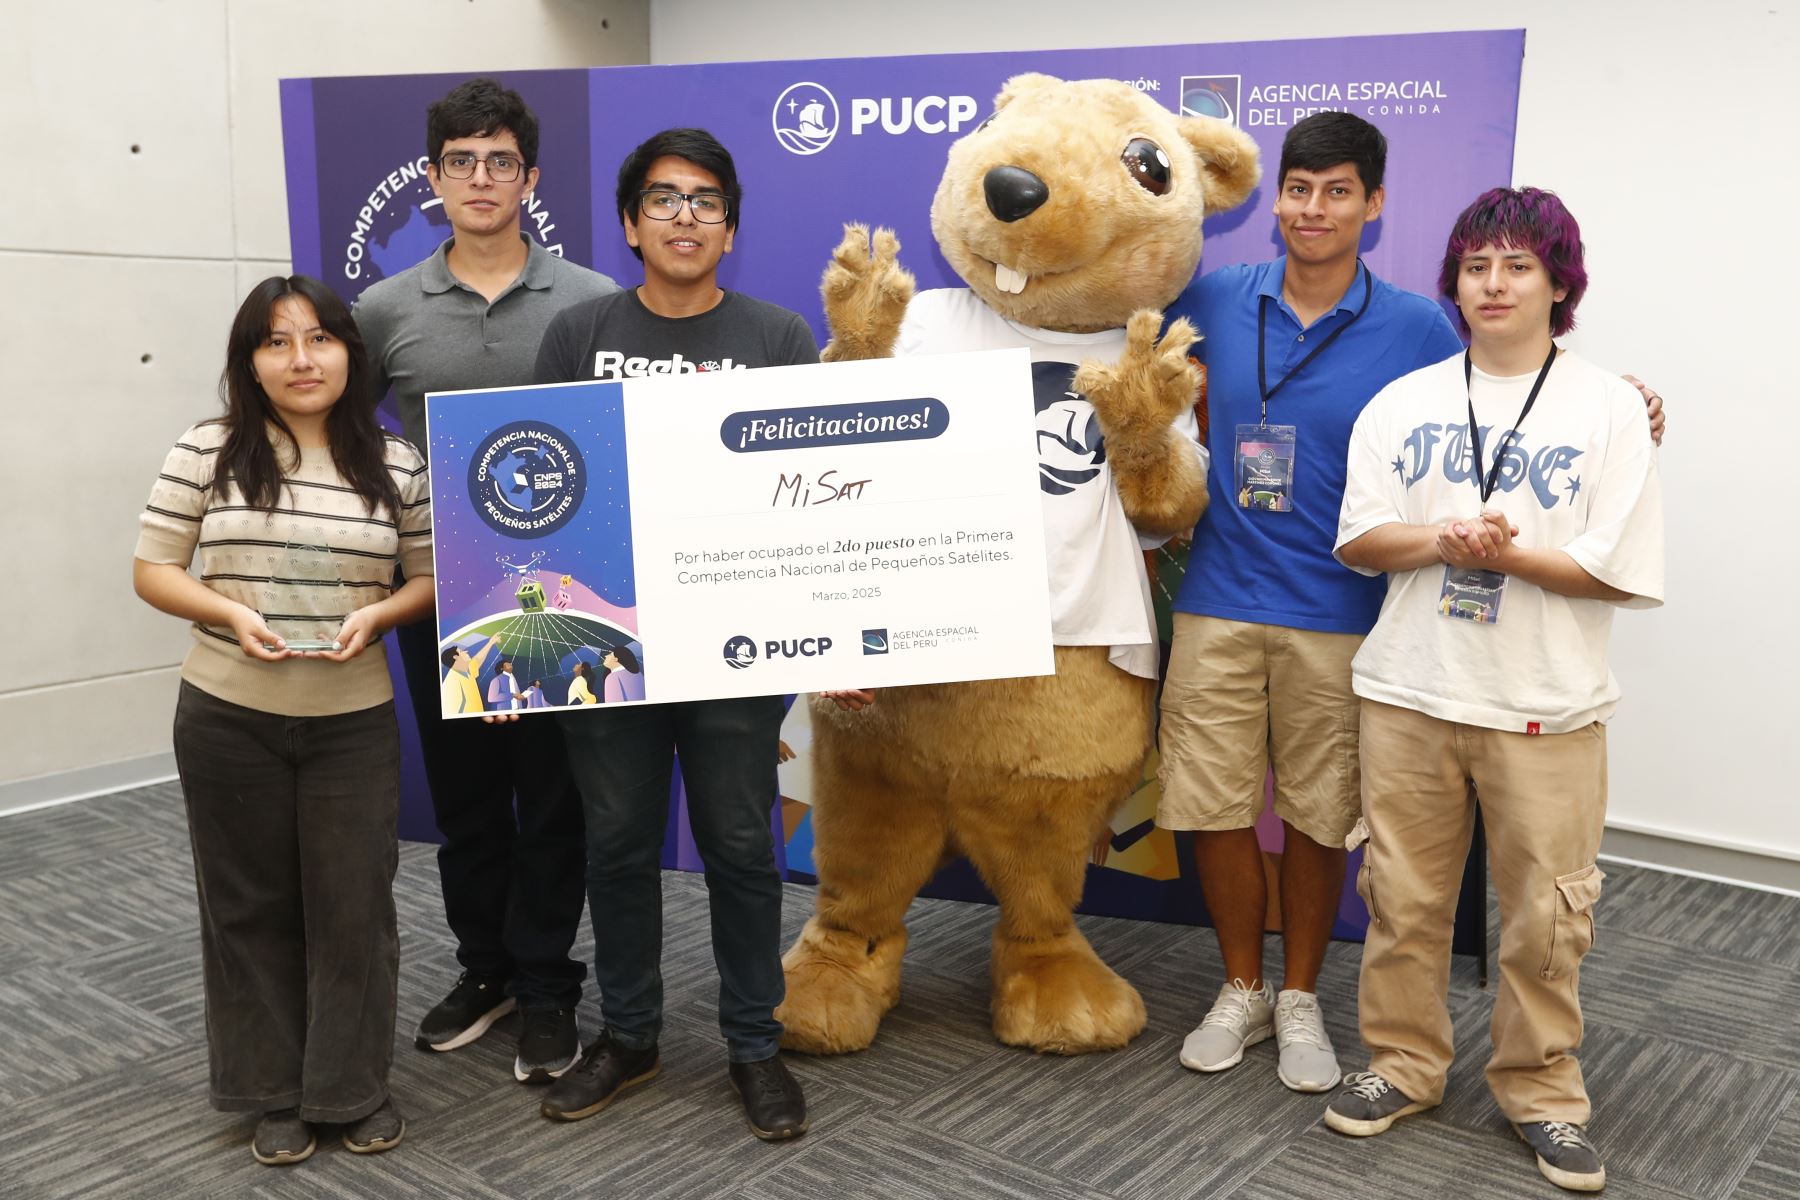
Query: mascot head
{"x": 1076, "y": 204}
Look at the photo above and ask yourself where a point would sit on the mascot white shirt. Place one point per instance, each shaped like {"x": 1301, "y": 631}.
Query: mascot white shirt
{"x": 1099, "y": 591}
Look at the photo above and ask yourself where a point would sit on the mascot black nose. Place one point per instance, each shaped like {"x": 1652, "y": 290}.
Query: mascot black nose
{"x": 1014, "y": 192}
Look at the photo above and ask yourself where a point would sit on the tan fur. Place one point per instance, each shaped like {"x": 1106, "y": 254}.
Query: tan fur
{"x": 1137, "y": 399}
{"x": 866, "y": 290}
{"x": 1101, "y": 247}
{"x": 1017, "y": 775}
{"x": 1228, "y": 158}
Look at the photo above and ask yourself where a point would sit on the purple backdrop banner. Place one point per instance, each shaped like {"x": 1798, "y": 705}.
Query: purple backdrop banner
{"x": 822, "y": 142}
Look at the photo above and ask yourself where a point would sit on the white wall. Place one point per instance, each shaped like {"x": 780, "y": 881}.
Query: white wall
{"x": 1621, "y": 105}
{"x": 144, "y": 194}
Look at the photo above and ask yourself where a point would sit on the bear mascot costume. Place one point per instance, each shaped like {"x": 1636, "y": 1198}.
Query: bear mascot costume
{"x": 1073, "y": 213}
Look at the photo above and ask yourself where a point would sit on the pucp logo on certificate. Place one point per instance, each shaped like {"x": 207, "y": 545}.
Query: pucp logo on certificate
{"x": 740, "y": 652}
{"x": 740, "y": 533}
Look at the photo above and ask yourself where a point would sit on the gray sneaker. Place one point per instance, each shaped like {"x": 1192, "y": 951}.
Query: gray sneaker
{"x": 1565, "y": 1155}
{"x": 281, "y": 1138}
{"x": 1368, "y": 1104}
{"x": 380, "y": 1130}
{"x": 1308, "y": 1063}
{"x": 1240, "y": 1017}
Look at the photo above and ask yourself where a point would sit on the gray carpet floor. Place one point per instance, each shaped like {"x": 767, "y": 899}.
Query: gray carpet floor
{"x": 1692, "y": 1056}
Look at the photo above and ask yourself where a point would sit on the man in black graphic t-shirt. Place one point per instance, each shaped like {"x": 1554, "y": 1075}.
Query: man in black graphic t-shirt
{"x": 678, "y": 199}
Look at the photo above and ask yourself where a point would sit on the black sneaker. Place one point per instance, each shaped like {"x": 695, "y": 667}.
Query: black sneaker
{"x": 548, "y": 1045}
{"x": 281, "y": 1138}
{"x": 1565, "y": 1155}
{"x": 475, "y": 1003}
{"x": 380, "y": 1130}
{"x": 772, "y": 1101}
{"x": 605, "y": 1070}
{"x": 1367, "y": 1105}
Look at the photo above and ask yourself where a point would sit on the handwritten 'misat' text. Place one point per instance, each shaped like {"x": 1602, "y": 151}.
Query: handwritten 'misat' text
{"x": 796, "y": 491}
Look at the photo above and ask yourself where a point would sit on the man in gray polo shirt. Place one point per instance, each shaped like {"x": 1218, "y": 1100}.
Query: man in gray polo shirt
{"x": 472, "y": 316}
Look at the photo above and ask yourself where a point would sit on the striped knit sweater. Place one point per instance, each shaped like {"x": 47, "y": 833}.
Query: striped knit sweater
{"x": 319, "y": 556}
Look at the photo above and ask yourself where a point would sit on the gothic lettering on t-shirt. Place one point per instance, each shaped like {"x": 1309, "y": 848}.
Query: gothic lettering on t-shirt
{"x": 1446, "y": 446}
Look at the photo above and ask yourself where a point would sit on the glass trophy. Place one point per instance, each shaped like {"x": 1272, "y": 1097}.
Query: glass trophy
{"x": 305, "y": 600}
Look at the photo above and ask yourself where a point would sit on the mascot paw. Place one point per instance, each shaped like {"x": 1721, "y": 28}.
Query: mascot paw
{"x": 1148, "y": 387}
{"x": 1061, "y": 999}
{"x": 839, "y": 986}
{"x": 866, "y": 292}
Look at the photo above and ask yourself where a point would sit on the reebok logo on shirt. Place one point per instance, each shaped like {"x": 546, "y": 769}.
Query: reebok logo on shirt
{"x": 613, "y": 364}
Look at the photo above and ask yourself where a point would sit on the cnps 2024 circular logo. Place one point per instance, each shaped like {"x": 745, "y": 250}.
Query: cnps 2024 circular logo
{"x": 806, "y": 118}
{"x": 527, "y": 478}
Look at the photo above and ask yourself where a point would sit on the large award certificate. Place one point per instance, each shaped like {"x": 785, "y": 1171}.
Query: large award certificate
{"x": 738, "y": 533}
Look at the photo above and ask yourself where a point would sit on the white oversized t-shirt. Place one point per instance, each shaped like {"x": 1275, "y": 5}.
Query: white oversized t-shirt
{"x": 1099, "y": 590}
{"x": 1581, "y": 477}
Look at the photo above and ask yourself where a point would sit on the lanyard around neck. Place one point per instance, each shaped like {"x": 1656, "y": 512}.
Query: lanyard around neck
{"x": 1486, "y": 486}
{"x": 1262, "y": 324}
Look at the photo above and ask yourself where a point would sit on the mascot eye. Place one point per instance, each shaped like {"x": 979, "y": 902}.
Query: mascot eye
{"x": 1147, "y": 165}
{"x": 986, "y": 123}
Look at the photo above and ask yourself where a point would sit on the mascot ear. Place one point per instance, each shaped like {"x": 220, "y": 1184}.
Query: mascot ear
{"x": 1228, "y": 159}
{"x": 1018, "y": 85}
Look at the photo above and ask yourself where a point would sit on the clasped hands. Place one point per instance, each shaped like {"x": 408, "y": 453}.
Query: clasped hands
{"x": 1483, "y": 542}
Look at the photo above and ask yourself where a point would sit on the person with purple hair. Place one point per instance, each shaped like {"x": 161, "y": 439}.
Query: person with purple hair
{"x": 1266, "y": 622}
{"x": 1512, "y": 497}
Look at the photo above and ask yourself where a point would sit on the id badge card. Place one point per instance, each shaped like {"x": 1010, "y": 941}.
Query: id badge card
{"x": 1471, "y": 594}
{"x": 1265, "y": 467}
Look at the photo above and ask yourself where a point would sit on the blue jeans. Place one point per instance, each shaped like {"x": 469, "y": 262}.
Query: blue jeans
{"x": 623, "y": 759}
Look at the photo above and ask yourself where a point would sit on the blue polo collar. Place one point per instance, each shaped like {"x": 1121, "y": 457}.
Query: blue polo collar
{"x": 1276, "y": 273}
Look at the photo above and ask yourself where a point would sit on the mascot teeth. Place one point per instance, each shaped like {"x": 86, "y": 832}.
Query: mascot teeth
{"x": 1008, "y": 280}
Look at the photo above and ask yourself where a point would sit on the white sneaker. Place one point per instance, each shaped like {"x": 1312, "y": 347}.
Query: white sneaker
{"x": 1240, "y": 1017}
{"x": 1307, "y": 1062}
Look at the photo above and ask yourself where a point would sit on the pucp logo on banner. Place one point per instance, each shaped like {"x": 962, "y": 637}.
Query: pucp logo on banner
{"x": 806, "y": 118}
{"x": 526, "y": 479}
{"x": 1219, "y": 96}
{"x": 806, "y": 115}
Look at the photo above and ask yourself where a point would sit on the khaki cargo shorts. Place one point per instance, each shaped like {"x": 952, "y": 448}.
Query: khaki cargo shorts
{"x": 1242, "y": 698}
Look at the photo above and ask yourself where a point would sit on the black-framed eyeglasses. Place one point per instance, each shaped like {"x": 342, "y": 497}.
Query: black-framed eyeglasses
{"x": 709, "y": 208}
{"x": 501, "y": 168}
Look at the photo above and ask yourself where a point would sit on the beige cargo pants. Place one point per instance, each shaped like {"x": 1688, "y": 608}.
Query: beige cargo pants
{"x": 1543, "y": 803}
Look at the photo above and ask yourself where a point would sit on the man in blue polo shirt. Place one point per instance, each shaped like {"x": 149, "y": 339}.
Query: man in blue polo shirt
{"x": 1267, "y": 621}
